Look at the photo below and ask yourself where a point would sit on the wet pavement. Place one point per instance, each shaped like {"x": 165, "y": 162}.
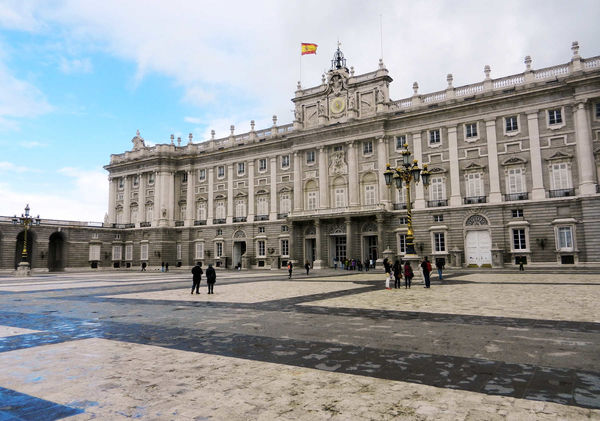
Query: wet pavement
{"x": 328, "y": 346}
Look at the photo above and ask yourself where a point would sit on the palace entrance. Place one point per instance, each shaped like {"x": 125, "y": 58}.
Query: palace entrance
{"x": 239, "y": 248}
{"x": 56, "y": 252}
{"x": 478, "y": 245}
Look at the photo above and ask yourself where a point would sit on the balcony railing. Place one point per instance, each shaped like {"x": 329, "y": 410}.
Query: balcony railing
{"x": 121, "y": 226}
{"x": 219, "y": 221}
{"x": 199, "y": 222}
{"x": 239, "y": 219}
{"x": 261, "y": 218}
{"x": 145, "y": 224}
{"x": 282, "y": 215}
{"x": 399, "y": 206}
{"x": 178, "y": 223}
{"x": 561, "y": 193}
{"x": 475, "y": 199}
{"x": 437, "y": 203}
{"x": 511, "y": 197}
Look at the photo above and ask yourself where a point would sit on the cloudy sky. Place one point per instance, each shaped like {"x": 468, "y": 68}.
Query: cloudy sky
{"x": 78, "y": 78}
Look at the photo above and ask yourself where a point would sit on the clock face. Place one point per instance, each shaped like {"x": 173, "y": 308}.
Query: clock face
{"x": 337, "y": 105}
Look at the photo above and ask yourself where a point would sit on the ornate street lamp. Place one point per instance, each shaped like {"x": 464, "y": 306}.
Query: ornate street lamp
{"x": 27, "y": 221}
{"x": 405, "y": 174}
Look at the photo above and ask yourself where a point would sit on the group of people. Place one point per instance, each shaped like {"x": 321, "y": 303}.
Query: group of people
{"x": 211, "y": 278}
{"x": 354, "y": 264}
{"x": 398, "y": 269}
{"x": 290, "y": 268}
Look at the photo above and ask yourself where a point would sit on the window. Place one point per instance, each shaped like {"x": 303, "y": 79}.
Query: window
{"x": 400, "y": 141}
{"x": 565, "y": 238}
{"x": 312, "y": 200}
{"x": 202, "y": 174}
{"x": 338, "y": 148}
{"x": 262, "y": 205}
{"x": 151, "y": 178}
{"x": 437, "y": 189}
{"x": 178, "y": 251}
{"x": 116, "y": 252}
{"x": 471, "y": 130}
{"x": 121, "y": 183}
{"x": 129, "y": 252}
{"x": 262, "y": 164}
{"x": 439, "y": 242}
{"x": 95, "y": 235}
{"x": 119, "y": 216}
{"x": 438, "y": 218}
{"x": 340, "y": 197}
{"x": 199, "y": 251}
{"x": 144, "y": 251}
{"x": 285, "y": 248}
{"x": 598, "y": 110}
{"x": 474, "y": 184}
{"x": 261, "y": 229}
{"x": 240, "y": 208}
{"x": 519, "y": 239}
{"x": 401, "y": 195}
{"x": 219, "y": 232}
{"x": 517, "y": 213}
{"x": 402, "y": 243}
{"x": 241, "y": 168}
{"x": 370, "y": 196}
{"x": 285, "y": 204}
{"x": 554, "y": 116}
{"x": 133, "y": 215}
{"x": 201, "y": 211}
{"x": 261, "y": 249}
{"x": 120, "y": 196}
{"x": 367, "y": 147}
{"x": 515, "y": 180}
{"x": 512, "y": 124}
{"x": 184, "y": 177}
{"x": 403, "y": 220}
{"x": 219, "y": 249}
{"x": 310, "y": 157}
{"x": 285, "y": 161}
{"x": 220, "y": 211}
{"x": 220, "y": 171}
{"x": 136, "y": 181}
{"x": 94, "y": 251}
{"x": 285, "y": 228}
{"x": 182, "y": 212}
{"x": 561, "y": 177}
{"x": 149, "y": 213}
{"x": 434, "y": 137}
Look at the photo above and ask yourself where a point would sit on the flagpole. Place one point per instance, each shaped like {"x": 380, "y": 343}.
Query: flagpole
{"x": 300, "y": 65}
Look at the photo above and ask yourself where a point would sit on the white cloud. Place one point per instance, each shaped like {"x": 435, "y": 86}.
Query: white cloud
{"x": 8, "y": 167}
{"x": 30, "y": 144}
{"x": 193, "y": 120}
{"x": 75, "y": 65}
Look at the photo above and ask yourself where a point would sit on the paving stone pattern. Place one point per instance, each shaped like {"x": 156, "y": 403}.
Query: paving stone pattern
{"x": 329, "y": 346}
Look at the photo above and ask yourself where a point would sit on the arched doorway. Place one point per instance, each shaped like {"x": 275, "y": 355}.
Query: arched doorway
{"x": 56, "y": 252}
{"x": 478, "y": 241}
{"x": 30, "y": 247}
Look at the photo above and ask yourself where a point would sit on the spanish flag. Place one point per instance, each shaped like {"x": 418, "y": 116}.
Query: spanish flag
{"x": 308, "y": 48}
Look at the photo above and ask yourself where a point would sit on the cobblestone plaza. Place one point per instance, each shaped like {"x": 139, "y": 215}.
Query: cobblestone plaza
{"x": 335, "y": 345}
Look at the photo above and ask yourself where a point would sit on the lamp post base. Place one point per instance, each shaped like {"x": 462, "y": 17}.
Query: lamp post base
{"x": 23, "y": 270}
{"x": 415, "y": 264}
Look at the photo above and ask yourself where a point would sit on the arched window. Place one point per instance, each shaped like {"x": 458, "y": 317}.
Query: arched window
{"x": 340, "y": 193}
{"x": 312, "y": 194}
{"x": 220, "y": 210}
{"x": 262, "y": 205}
{"x": 201, "y": 211}
{"x": 285, "y": 204}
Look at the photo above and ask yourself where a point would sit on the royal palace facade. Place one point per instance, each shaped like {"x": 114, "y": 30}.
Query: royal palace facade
{"x": 514, "y": 163}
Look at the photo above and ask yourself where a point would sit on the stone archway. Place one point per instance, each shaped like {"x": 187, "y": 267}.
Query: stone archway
{"x": 30, "y": 247}
{"x": 56, "y": 252}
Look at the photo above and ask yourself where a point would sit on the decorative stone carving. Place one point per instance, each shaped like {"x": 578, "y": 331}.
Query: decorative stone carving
{"x": 311, "y": 231}
{"x": 239, "y": 234}
{"x": 138, "y": 141}
{"x": 337, "y": 164}
{"x": 337, "y": 229}
{"x": 475, "y": 220}
{"x": 369, "y": 227}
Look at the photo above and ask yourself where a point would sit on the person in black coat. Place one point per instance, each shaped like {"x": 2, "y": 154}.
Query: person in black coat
{"x": 211, "y": 278}
{"x": 397, "y": 269}
{"x": 197, "y": 277}
{"x": 426, "y": 267}
{"x": 307, "y": 267}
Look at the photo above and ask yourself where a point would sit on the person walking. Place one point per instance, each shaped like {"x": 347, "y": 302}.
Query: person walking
{"x": 162, "y": 267}
{"x": 196, "y": 277}
{"x": 426, "y": 267}
{"x": 397, "y": 269}
{"x": 388, "y": 272}
{"x": 366, "y": 265}
{"x": 335, "y": 263}
{"x": 144, "y": 264}
{"x": 167, "y": 267}
{"x": 521, "y": 261}
{"x": 290, "y": 269}
{"x": 307, "y": 267}
{"x": 408, "y": 274}
{"x": 439, "y": 264}
{"x": 211, "y": 278}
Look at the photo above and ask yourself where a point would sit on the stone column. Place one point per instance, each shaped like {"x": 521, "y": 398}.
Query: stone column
{"x": 380, "y": 237}
{"x": 156, "y": 202}
{"x": 273, "y": 198}
{"x": 323, "y": 179}
{"x": 494, "y": 174}
{"x": 127, "y": 200}
{"x": 297, "y": 183}
{"x": 353, "y": 186}
{"x": 229, "y": 219}
{"x": 318, "y": 263}
{"x": 112, "y": 199}
{"x": 163, "y": 198}
{"x": 348, "y": 222}
{"x": 538, "y": 192}
{"x": 293, "y": 239}
{"x": 170, "y": 185}
{"x": 210, "y": 204}
{"x": 141, "y": 200}
{"x": 585, "y": 153}
{"x": 250, "y": 191}
{"x": 382, "y": 157}
{"x": 418, "y": 155}
{"x": 189, "y": 199}
{"x": 455, "y": 196}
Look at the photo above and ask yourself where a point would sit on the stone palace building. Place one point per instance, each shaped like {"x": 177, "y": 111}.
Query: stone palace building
{"x": 515, "y": 163}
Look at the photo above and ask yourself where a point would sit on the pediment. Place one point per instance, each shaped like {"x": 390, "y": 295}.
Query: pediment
{"x": 514, "y": 161}
{"x": 285, "y": 189}
{"x": 437, "y": 170}
{"x": 473, "y": 166}
{"x": 558, "y": 155}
